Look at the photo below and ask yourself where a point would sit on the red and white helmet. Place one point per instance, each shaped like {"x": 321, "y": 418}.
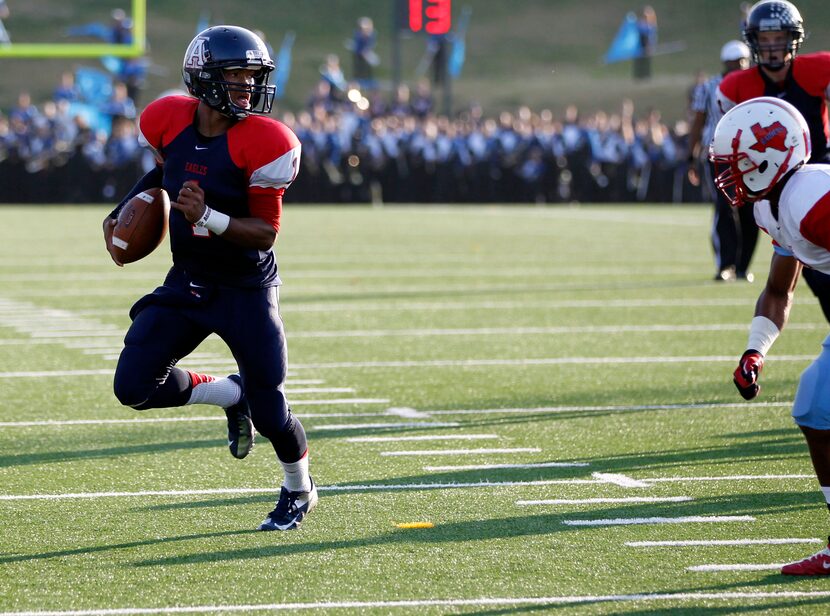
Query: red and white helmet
{"x": 755, "y": 144}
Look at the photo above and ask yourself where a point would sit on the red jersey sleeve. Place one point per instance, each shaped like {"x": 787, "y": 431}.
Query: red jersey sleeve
{"x": 812, "y": 72}
{"x": 739, "y": 86}
{"x": 269, "y": 152}
{"x": 163, "y": 119}
{"x": 815, "y": 226}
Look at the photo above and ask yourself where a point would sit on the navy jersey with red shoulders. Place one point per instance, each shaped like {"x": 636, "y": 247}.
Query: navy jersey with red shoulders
{"x": 244, "y": 173}
{"x": 806, "y": 87}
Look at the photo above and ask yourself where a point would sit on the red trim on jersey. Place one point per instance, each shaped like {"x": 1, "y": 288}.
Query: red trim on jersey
{"x": 256, "y": 141}
{"x": 812, "y": 72}
{"x": 740, "y": 86}
{"x": 815, "y": 226}
{"x": 163, "y": 119}
{"x": 198, "y": 379}
{"x": 266, "y": 203}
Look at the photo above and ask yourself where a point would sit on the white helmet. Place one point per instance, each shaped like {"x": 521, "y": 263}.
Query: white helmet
{"x": 758, "y": 142}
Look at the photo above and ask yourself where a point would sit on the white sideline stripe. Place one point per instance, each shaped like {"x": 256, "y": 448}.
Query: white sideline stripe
{"x": 434, "y": 437}
{"x": 694, "y": 597}
{"x": 378, "y": 426}
{"x": 484, "y": 467}
{"x": 140, "y": 420}
{"x": 620, "y": 480}
{"x": 499, "y": 305}
{"x": 615, "y": 409}
{"x": 705, "y": 542}
{"x": 516, "y": 331}
{"x": 758, "y": 567}
{"x": 55, "y": 373}
{"x": 334, "y": 488}
{"x": 659, "y": 520}
{"x": 459, "y": 452}
{"x": 541, "y": 361}
{"x": 413, "y": 413}
{"x": 592, "y": 501}
{"x": 649, "y": 480}
{"x": 340, "y": 401}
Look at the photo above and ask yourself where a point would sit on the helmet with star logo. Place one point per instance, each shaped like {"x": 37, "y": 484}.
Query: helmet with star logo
{"x": 754, "y": 147}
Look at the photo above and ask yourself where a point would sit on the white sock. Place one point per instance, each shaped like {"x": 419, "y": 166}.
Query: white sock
{"x": 209, "y": 390}
{"x": 826, "y": 492}
{"x": 297, "y": 478}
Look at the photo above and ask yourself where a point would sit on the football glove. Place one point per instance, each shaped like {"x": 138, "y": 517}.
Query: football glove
{"x": 747, "y": 373}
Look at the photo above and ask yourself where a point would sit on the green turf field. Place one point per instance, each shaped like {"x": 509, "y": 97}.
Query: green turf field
{"x": 491, "y": 370}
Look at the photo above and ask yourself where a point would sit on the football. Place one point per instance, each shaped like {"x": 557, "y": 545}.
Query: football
{"x": 141, "y": 225}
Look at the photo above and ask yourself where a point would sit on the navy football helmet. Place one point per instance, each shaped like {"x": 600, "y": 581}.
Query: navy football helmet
{"x": 774, "y": 16}
{"x": 228, "y": 47}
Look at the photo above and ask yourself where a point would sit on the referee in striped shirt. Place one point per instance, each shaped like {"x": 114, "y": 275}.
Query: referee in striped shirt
{"x": 734, "y": 232}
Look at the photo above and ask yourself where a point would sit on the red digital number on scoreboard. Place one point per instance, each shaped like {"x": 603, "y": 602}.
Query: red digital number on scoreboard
{"x": 434, "y": 16}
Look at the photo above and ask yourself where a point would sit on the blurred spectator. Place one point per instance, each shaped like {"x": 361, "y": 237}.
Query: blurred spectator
{"x": 120, "y": 104}
{"x": 332, "y": 73}
{"x": 437, "y": 48}
{"x": 362, "y": 46}
{"x": 4, "y": 14}
{"x": 647, "y": 29}
{"x": 422, "y": 103}
{"x": 66, "y": 90}
{"x": 24, "y": 110}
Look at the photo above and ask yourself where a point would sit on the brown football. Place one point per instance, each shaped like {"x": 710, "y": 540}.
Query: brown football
{"x": 141, "y": 225}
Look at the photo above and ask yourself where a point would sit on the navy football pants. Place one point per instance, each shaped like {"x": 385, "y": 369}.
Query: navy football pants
{"x": 171, "y": 322}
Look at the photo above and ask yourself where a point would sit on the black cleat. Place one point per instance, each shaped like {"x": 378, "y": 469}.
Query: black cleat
{"x": 240, "y": 427}
{"x": 291, "y": 509}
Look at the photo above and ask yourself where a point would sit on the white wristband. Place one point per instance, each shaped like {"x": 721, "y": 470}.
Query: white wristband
{"x": 762, "y": 333}
{"x": 214, "y": 221}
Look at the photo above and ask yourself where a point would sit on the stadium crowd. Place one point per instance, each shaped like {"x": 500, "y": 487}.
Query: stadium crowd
{"x": 367, "y": 149}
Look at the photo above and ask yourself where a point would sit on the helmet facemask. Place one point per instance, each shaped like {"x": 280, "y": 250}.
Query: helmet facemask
{"x": 734, "y": 171}
{"x": 774, "y": 16}
{"x": 217, "y": 92}
{"x": 222, "y": 48}
{"x": 755, "y": 145}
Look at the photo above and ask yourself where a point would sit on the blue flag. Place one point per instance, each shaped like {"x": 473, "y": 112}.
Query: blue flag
{"x": 459, "y": 45}
{"x": 626, "y": 44}
{"x": 204, "y": 22}
{"x": 283, "y": 70}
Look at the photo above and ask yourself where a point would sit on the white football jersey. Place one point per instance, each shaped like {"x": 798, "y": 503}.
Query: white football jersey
{"x": 802, "y": 229}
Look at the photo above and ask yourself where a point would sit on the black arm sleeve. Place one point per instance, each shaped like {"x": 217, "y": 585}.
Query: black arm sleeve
{"x": 152, "y": 179}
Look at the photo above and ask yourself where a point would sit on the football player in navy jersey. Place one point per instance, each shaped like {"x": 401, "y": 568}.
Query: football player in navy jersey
{"x": 760, "y": 148}
{"x": 225, "y": 166}
{"x": 774, "y": 31}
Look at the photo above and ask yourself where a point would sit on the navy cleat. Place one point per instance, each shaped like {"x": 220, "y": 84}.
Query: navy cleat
{"x": 291, "y": 509}
{"x": 240, "y": 427}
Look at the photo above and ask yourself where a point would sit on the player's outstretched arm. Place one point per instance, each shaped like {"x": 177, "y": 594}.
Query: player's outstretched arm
{"x": 771, "y": 313}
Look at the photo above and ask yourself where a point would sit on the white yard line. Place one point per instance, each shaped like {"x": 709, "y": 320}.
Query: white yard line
{"x": 661, "y": 520}
{"x": 540, "y": 361}
{"x": 534, "y": 331}
{"x": 756, "y": 567}
{"x": 505, "y": 305}
{"x": 431, "y": 437}
{"x": 594, "y": 501}
{"x": 713, "y": 542}
{"x": 272, "y": 489}
{"x": 484, "y": 467}
{"x": 648, "y": 480}
{"x": 621, "y": 480}
{"x": 613, "y": 409}
{"x": 460, "y": 452}
{"x": 409, "y": 604}
{"x": 412, "y": 413}
{"x": 381, "y": 426}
